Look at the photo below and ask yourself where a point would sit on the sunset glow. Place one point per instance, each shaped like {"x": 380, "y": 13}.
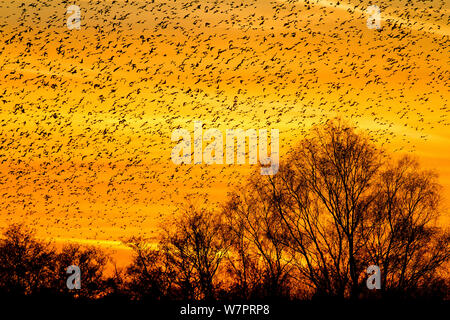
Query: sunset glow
{"x": 86, "y": 115}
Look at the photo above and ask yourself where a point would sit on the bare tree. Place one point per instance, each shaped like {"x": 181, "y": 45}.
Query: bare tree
{"x": 92, "y": 262}
{"x": 195, "y": 249}
{"x": 26, "y": 263}
{"x": 405, "y": 241}
{"x": 258, "y": 262}
{"x": 149, "y": 275}
{"x": 337, "y": 205}
{"x": 30, "y": 266}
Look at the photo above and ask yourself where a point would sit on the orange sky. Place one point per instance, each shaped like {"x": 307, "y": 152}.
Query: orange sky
{"x": 86, "y": 115}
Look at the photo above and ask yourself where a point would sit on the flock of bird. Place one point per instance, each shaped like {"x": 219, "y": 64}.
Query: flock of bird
{"x": 86, "y": 115}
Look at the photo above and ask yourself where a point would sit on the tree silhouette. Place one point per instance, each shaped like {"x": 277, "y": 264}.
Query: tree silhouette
{"x": 258, "y": 263}
{"x": 404, "y": 240}
{"x": 338, "y": 205}
{"x": 26, "y": 264}
{"x": 182, "y": 263}
{"x": 195, "y": 249}
{"x": 92, "y": 262}
{"x": 33, "y": 267}
{"x": 149, "y": 277}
